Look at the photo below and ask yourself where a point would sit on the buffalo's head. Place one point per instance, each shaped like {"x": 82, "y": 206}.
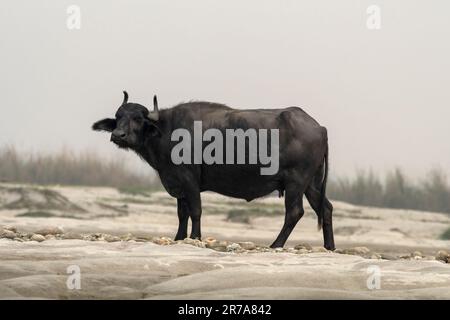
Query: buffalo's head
{"x": 132, "y": 125}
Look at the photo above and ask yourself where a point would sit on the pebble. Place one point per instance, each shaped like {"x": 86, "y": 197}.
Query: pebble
{"x": 127, "y": 237}
{"x": 72, "y": 236}
{"x": 8, "y": 234}
{"x": 50, "y": 230}
{"x": 375, "y": 256}
{"x": 247, "y": 245}
{"x": 443, "y": 255}
{"x": 194, "y": 242}
{"x": 111, "y": 238}
{"x": 217, "y": 245}
{"x": 417, "y": 254}
{"x": 357, "y": 251}
{"x": 10, "y": 228}
{"x": 210, "y": 239}
{"x": 189, "y": 241}
{"x": 233, "y": 247}
{"x": 319, "y": 249}
{"x": 37, "y": 237}
{"x": 302, "y": 251}
{"x": 163, "y": 241}
{"x": 386, "y": 256}
{"x": 303, "y": 246}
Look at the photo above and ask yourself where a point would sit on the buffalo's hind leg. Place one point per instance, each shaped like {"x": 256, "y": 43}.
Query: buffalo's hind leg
{"x": 314, "y": 197}
{"x": 293, "y": 203}
{"x": 183, "y": 217}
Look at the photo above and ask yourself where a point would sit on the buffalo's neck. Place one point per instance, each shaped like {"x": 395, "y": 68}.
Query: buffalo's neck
{"x": 149, "y": 153}
{"x": 153, "y": 154}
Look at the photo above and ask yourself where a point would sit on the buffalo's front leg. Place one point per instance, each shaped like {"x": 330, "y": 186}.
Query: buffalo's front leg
{"x": 195, "y": 212}
{"x": 183, "y": 217}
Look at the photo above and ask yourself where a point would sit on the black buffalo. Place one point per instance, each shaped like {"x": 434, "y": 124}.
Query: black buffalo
{"x": 303, "y": 159}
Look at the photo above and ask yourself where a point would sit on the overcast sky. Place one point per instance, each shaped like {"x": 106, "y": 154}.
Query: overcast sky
{"x": 383, "y": 94}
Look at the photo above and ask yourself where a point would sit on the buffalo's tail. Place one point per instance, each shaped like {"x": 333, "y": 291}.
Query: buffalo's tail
{"x": 321, "y": 212}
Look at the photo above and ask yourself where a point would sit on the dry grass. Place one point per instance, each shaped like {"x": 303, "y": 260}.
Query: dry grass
{"x": 67, "y": 168}
{"x": 431, "y": 193}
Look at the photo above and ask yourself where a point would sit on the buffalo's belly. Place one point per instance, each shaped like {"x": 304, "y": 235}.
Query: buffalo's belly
{"x": 239, "y": 181}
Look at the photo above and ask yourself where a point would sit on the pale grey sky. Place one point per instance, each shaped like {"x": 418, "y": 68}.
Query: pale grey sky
{"x": 383, "y": 94}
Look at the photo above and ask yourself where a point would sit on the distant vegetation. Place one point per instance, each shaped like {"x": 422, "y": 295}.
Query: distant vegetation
{"x": 446, "y": 235}
{"x": 431, "y": 193}
{"x": 67, "y": 168}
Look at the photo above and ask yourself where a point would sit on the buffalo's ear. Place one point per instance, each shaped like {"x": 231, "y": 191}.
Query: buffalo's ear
{"x": 153, "y": 129}
{"x": 104, "y": 125}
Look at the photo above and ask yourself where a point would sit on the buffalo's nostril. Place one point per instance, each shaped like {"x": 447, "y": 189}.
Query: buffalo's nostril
{"x": 119, "y": 134}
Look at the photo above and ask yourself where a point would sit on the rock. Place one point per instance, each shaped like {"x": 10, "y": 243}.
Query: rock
{"x": 111, "y": 238}
{"x": 302, "y": 251}
{"x": 233, "y": 247}
{"x": 154, "y": 239}
{"x": 375, "y": 256}
{"x": 8, "y": 234}
{"x": 10, "y": 228}
{"x": 386, "y": 256}
{"x": 319, "y": 249}
{"x": 50, "y": 237}
{"x": 200, "y": 244}
{"x": 247, "y": 245}
{"x": 158, "y": 241}
{"x": 278, "y": 250}
{"x": 90, "y": 237}
{"x": 357, "y": 251}
{"x": 164, "y": 241}
{"x": 417, "y": 254}
{"x": 194, "y": 242}
{"x": 217, "y": 245}
{"x": 37, "y": 237}
{"x": 50, "y": 230}
{"x": 443, "y": 255}
{"x": 429, "y": 258}
{"x": 72, "y": 236}
{"x": 127, "y": 237}
{"x": 303, "y": 246}
{"x": 189, "y": 241}
{"x": 24, "y": 235}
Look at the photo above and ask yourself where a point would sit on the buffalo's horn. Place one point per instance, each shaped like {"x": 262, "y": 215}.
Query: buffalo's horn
{"x": 155, "y": 114}
{"x": 125, "y": 97}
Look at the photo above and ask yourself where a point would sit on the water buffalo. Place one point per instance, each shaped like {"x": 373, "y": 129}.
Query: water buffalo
{"x": 302, "y": 164}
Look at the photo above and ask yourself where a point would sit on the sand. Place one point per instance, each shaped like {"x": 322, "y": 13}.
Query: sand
{"x": 145, "y": 270}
